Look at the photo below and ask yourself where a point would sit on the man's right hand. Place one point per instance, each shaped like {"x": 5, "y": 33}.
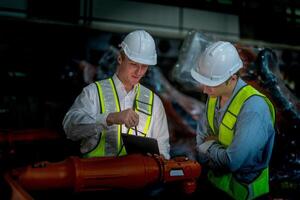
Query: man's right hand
{"x": 127, "y": 117}
{"x": 211, "y": 137}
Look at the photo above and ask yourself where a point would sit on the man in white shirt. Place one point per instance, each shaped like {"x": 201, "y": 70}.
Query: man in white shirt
{"x": 120, "y": 104}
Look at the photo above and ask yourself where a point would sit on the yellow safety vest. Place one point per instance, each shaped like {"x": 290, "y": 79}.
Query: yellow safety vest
{"x": 227, "y": 182}
{"x": 110, "y": 142}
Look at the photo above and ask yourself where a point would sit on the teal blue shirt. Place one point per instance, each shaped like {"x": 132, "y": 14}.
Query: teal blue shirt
{"x": 251, "y": 148}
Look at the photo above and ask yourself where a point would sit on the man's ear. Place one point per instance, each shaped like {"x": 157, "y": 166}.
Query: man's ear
{"x": 234, "y": 77}
{"x": 119, "y": 59}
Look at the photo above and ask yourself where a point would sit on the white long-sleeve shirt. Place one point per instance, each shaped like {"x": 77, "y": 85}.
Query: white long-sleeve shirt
{"x": 83, "y": 120}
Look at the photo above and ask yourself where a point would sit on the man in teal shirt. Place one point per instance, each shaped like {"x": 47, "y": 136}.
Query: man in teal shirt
{"x": 235, "y": 139}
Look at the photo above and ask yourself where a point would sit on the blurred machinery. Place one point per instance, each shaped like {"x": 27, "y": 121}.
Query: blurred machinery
{"x": 29, "y": 135}
{"x": 264, "y": 74}
{"x": 13, "y": 142}
{"x": 23, "y": 147}
{"x": 134, "y": 171}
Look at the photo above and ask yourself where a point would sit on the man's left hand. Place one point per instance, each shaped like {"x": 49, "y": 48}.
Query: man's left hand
{"x": 205, "y": 146}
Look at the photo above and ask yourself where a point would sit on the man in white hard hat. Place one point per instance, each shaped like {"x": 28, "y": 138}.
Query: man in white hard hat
{"x": 235, "y": 139}
{"x": 120, "y": 104}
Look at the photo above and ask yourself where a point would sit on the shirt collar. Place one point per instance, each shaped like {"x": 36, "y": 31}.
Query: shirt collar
{"x": 120, "y": 86}
{"x": 240, "y": 83}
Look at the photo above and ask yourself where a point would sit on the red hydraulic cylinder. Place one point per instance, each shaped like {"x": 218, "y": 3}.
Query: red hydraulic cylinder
{"x": 105, "y": 173}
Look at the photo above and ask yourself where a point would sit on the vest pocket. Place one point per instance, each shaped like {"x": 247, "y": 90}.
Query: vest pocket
{"x": 225, "y": 135}
{"x": 229, "y": 120}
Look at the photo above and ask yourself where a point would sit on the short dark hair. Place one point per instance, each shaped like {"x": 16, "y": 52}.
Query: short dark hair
{"x": 122, "y": 53}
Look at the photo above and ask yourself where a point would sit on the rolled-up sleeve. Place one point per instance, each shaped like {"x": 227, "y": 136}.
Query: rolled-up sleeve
{"x": 159, "y": 128}
{"x": 202, "y": 132}
{"x": 251, "y": 135}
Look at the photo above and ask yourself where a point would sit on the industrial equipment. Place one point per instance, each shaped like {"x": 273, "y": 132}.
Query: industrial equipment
{"x": 135, "y": 171}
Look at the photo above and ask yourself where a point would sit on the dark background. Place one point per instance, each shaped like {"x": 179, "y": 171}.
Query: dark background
{"x": 40, "y": 76}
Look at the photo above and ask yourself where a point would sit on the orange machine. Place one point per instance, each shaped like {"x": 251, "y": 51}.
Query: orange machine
{"x": 134, "y": 171}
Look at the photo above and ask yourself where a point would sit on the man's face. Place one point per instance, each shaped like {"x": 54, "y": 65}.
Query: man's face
{"x": 216, "y": 91}
{"x": 130, "y": 72}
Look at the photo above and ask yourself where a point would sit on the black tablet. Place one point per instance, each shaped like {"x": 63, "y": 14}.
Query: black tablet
{"x": 140, "y": 144}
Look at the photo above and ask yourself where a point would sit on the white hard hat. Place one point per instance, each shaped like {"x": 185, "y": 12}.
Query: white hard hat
{"x": 139, "y": 46}
{"x": 218, "y": 62}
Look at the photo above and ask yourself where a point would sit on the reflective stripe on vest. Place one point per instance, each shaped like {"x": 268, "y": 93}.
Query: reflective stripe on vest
{"x": 143, "y": 106}
{"x": 226, "y": 129}
{"x": 227, "y": 182}
{"x": 109, "y": 143}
